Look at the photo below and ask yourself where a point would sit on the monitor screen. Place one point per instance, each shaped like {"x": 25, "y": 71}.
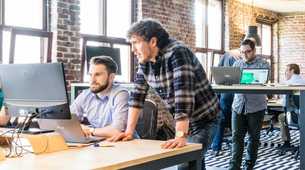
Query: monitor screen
{"x": 29, "y": 88}
{"x": 254, "y": 76}
{"x": 114, "y": 53}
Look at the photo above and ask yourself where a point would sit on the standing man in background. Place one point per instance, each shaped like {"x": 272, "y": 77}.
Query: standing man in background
{"x": 225, "y": 101}
{"x": 247, "y": 112}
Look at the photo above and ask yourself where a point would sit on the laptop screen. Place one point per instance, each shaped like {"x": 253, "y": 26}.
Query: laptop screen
{"x": 254, "y": 76}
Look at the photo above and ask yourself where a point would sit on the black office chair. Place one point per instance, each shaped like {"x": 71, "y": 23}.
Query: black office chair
{"x": 147, "y": 123}
{"x": 292, "y": 122}
{"x": 273, "y": 112}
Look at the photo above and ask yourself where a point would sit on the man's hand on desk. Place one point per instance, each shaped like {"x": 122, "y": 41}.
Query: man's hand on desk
{"x": 87, "y": 130}
{"x": 178, "y": 142}
{"x": 123, "y": 136}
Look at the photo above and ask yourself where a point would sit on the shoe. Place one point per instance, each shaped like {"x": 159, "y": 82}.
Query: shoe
{"x": 285, "y": 146}
{"x": 248, "y": 165}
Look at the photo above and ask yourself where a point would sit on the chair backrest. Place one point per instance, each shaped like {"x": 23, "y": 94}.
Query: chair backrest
{"x": 147, "y": 123}
{"x": 293, "y": 106}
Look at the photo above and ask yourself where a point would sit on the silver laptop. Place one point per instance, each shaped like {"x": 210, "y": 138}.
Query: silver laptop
{"x": 254, "y": 76}
{"x": 70, "y": 129}
{"x": 226, "y": 75}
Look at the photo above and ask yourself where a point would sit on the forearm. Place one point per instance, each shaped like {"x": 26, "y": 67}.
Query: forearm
{"x": 133, "y": 116}
{"x": 107, "y": 131}
{"x": 182, "y": 125}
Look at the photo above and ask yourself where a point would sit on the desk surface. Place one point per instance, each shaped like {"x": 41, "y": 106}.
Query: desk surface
{"x": 122, "y": 155}
{"x": 260, "y": 87}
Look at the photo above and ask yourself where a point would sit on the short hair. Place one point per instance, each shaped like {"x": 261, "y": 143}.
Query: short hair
{"x": 294, "y": 67}
{"x": 149, "y": 28}
{"x": 248, "y": 42}
{"x": 110, "y": 64}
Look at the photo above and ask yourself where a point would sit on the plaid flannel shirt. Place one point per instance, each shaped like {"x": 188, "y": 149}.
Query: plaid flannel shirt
{"x": 180, "y": 80}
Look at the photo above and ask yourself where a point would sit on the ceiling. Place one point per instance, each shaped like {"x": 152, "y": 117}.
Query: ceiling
{"x": 281, "y": 6}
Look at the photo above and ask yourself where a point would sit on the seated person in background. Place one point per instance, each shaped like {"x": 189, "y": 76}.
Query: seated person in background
{"x": 293, "y": 77}
{"x": 105, "y": 104}
{"x": 225, "y": 101}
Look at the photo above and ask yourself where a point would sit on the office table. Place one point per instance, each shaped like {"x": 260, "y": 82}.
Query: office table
{"x": 135, "y": 154}
{"x": 276, "y": 89}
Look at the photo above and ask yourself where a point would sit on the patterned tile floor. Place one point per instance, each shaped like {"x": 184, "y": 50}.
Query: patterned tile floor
{"x": 268, "y": 158}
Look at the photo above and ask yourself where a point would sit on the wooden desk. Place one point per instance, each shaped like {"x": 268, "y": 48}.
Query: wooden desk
{"x": 135, "y": 154}
{"x": 296, "y": 90}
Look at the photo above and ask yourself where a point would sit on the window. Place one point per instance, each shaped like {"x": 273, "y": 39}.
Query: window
{"x": 265, "y": 32}
{"x": 118, "y": 17}
{"x": 107, "y": 18}
{"x": 214, "y": 24}
{"x": 29, "y": 13}
{"x": 30, "y": 16}
{"x": 209, "y": 32}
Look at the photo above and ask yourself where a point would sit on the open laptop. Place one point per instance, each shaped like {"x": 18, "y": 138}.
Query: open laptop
{"x": 70, "y": 129}
{"x": 226, "y": 75}
{"x": 254, "y": 76}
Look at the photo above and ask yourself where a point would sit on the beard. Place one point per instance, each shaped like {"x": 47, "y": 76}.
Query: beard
{"x": 99, "y": 88}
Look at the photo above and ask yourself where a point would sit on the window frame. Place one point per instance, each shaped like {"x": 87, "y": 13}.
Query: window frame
{"x": 270, "y": 57}
{"x": 25, "y": 30}
{"x": 104, "y": 37}
{"x": 206, "y": 50}
{"x": 108, "y": 40}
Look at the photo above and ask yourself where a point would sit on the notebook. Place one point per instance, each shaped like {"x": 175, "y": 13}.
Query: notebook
{"x": 256, "y": 76}
{"x": 70, "y": 129}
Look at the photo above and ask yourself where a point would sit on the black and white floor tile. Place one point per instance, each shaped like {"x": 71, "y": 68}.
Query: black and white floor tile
{"x": 268, "y": 157}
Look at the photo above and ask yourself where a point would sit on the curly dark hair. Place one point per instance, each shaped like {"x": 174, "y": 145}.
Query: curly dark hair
{"x": 149, "y": 28}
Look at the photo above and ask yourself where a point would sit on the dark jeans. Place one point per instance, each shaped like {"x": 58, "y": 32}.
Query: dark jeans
{"x": 241, "y": 124}
{"x": 203, "y": 136}
{"x": 225, "y": 102}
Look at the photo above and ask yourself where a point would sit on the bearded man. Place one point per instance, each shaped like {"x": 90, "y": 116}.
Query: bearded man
{"x": 105, "y": 105}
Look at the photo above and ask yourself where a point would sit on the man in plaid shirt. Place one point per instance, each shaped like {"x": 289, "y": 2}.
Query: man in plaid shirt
{"x": 174, "y": 72}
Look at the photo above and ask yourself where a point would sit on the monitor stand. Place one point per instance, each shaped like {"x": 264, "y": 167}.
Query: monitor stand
{"x": 27, "y": 123}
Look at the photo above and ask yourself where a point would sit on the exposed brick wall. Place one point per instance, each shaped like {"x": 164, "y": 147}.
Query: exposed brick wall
{"x": 177, "y": 16}
{"x": 66, "y": 28}
{"x": 291, "y": 41}
{"x": 239, "y": 16}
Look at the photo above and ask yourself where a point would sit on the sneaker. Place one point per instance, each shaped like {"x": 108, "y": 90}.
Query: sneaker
{"x": 284, "y": 146}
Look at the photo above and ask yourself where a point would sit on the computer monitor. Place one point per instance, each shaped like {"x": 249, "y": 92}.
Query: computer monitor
{"x": 226, "y": 75}
{"x": 254, "y": 76}
{"x": 35, "y": 88}
{"x": 114, "y": 53}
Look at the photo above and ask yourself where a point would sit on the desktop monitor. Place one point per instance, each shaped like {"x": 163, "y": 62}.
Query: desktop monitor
{"x": 254, "y": 76}
{"x": 114, "y": 53}
{"x": 38, "y": 88}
